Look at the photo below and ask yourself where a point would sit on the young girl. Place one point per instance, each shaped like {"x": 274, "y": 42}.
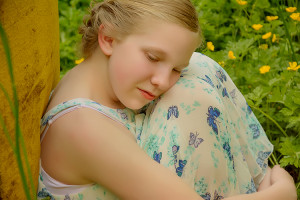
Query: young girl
{"x": 134, "y": 51}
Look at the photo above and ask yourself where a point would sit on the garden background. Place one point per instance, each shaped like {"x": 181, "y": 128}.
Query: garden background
{"x": 256, "y": 41}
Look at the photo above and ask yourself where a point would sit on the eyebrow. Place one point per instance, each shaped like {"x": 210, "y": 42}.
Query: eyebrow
{"x": 156, "y": 50}
{"x": 163, "y": 53}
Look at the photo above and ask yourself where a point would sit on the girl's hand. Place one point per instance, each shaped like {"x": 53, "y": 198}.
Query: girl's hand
{"x": 282, "y": 178}
{"x": 266, "y": 182}
{"x": 279, "y": 174}
{"x": 276, "y": 185}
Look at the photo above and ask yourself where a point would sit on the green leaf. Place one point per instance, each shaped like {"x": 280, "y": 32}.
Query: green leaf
{"x": 296, "y": 99}
{"x": 286, "y": 112}
{"x": 294, "y": 122}
{"x": 262, "y": 4}
{"x": 276, "y": 96}
{"x": 290, "y": 149}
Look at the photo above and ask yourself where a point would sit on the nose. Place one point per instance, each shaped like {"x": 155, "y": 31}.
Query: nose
{"x": 162, "y": 78}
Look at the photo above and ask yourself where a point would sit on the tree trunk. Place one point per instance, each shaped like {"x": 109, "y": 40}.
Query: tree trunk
{"x": 32, "y": 30}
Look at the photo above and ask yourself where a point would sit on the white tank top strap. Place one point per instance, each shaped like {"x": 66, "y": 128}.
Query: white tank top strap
{"x": 56, "y": 112}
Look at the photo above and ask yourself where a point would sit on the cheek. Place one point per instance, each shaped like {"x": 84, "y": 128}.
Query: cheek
{"x": 118, "y": 74}
{"x": 174, "y": 79}
{"x": 129, "y": 70}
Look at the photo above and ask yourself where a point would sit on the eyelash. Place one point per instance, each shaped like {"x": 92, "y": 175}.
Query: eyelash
{"x": 176, "y": 70}
{"x": 152, "y": 58}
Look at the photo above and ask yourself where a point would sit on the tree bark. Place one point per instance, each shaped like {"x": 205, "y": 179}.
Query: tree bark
{"x": 32, "y": 30}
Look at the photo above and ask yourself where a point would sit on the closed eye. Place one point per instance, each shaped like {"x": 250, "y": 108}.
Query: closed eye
{"x": 177, "y": 70}
{"x": 152, "y": 58}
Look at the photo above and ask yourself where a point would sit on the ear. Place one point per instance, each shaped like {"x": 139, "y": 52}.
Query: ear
{"x": 105, "y": 42}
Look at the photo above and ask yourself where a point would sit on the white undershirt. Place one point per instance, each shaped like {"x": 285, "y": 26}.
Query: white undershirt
{"x": 59, "y": 188}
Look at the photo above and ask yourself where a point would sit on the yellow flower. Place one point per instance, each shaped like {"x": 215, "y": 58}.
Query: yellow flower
{"x": 257, "y": 26}
{"x": 291, "y": 9}
{"x": 241, "y": 2}
{"x": 295, "y": 16}
{"x": 263, "y": 46}
{"x": 210, "y": 46}
{"x": 264, "y": 69}
{"x": 274, "y": 38}
{"x": 266, "y": 36}
{"x": 293, "y": 66}
{"x": 271, "y": 18}
{"x": 77, "y": 62}
{"x": 222, "y": 63}
{"x": 231, "y": 55}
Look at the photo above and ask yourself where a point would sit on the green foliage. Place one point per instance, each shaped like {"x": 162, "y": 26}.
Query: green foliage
{"x": 71, "y": 15}
{"x": 274, "y": 95}
{"x": 290, "y": 149}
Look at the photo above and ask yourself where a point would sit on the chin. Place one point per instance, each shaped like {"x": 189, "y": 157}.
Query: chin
{"x": 135, "y": 105}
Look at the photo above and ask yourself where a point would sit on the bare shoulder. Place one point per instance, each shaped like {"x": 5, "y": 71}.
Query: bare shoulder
{"x": 75, "y": 138}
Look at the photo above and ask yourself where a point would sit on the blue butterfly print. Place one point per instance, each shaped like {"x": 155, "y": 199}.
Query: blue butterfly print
{"x": 249, "y": 109}
{"x": 207, "y": 80}
{"x": 143, "y": 109}
{"x": 206, "y": 196}
{"x": 213, "y": 113}
{"x": 173, "y": 110}
{"x": 183, "y": 71}
{"x": 251, "y": 187}
{"x": 194, "y": 140}
{"x": 123, "y": 115}
{"x": 179, "y": 169}
{"x": 175, "y": 149}
{"x": 220, "y": 74}
{"x": 262, "y": 156}
{"x": 233, "y": 95}
{"x": 67, "y": 197}
{"x": 233, "y": 165}
{"x": 45, "y": 194}
{"x": 157, "y": 156}
{"x": 47, "y": 119}
{"x": 225, "y": 93}
{"x": 227, "y": 148}
{"x": 139, "y": 136}
{"x": 217, "y": 196}
{"x": 255, "y": 130}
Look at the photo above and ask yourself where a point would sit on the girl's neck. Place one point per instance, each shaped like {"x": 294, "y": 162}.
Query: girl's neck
{"x": 96, "y": 67}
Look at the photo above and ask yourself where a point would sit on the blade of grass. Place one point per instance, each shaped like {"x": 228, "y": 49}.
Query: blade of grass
{"x": 15, "y": 111}
{"x": 28, "y": 166}
{"x": 7, "y": 134}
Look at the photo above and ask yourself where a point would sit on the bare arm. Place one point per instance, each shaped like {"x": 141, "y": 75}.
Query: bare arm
{"x": 106, "y": 153}
{"x": 266, "y": 182}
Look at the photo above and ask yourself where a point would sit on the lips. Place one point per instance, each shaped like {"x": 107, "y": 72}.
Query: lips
{"x": 147, "y": 95}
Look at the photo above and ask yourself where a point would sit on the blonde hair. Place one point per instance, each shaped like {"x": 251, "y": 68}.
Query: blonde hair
{"x": 123, "y": 17}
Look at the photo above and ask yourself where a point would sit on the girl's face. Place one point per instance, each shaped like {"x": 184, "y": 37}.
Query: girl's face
{"x": 145, "y": 65}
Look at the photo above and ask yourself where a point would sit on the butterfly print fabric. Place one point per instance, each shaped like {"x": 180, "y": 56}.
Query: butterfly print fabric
{"x": 203, "y": 130}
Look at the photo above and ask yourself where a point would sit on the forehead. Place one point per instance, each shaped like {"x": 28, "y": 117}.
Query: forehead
{"x": 165, "y": 38}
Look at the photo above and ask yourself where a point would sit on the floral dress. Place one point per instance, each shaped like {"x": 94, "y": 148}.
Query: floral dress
{"x": 203, "y": 130}
{"x": 92, "y": 191}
